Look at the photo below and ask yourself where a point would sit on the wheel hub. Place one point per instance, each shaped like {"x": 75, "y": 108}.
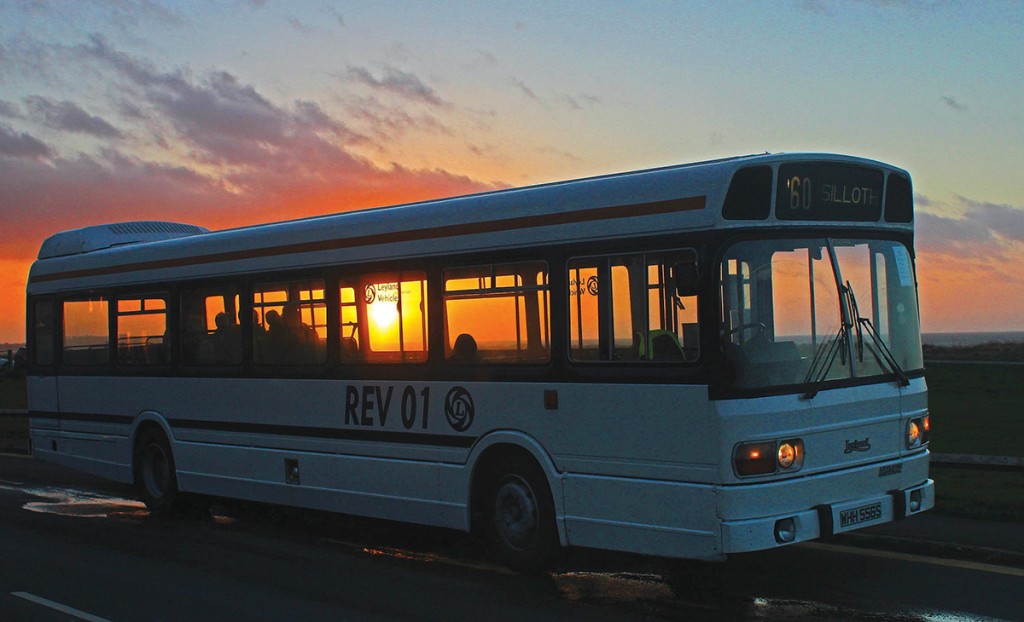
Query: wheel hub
{"x": 516, "y": 515}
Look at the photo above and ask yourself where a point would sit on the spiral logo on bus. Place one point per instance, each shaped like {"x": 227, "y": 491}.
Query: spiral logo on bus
{"x": 369, "y": 294}
{"x": 458, "y": 409}
{"x": 592, "y": 286}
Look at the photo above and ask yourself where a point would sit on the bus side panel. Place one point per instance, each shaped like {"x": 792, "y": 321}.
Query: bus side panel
{"x": 91, "y": 435}
{"x": 43, "y": 403}
{"x": 43, "y": 407}
{"x": 639, "y": 464}
{"x": 657, "y": 431}
{"x": 388, "y": 489}
{"x": 642, "y": 516}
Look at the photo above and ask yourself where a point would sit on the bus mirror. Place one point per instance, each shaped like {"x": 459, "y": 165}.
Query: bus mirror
{"x": 687, "y": 276}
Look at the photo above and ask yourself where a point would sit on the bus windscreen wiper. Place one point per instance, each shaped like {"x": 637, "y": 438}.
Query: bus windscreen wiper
{"x": 839, "y": 344}
{"x": 884, "y": 356}
{"x": 824, "y": 357}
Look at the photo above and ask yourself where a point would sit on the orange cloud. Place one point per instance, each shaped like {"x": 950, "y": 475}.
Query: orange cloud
{"x": 970, "y": 268}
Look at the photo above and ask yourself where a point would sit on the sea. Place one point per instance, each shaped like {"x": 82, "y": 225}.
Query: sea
{"x": 971, "y": 339}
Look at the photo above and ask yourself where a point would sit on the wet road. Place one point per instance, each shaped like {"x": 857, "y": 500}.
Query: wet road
{"x": 74, "y": 547}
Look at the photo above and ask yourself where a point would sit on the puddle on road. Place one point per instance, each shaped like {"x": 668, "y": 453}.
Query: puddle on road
{"x": 783, "y": 609}
{"x": 623, "y": 587}
{"x": 80, "y": 503}
{"x": 653, "y": 594}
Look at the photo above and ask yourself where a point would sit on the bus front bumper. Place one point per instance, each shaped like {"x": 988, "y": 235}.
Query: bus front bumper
{"x": 823, "y": 521}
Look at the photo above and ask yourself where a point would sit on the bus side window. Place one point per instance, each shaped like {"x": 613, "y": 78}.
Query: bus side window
{"x": 292, "y": 330}
{"x": 395, "y": 308}
{"x": 86, "y": 332}
{"x": 584, "y": 331}
{"x": 606, "y": 309}
{"x": 142, "y": 331}
{"x": 211, "y": 331}
{"x": 43, "y": 333}
{"x": 350, "y": 351}
{"x": 628, "y": 308}
{"x": 497, "y": 314}
{"x": 673, "y": 333}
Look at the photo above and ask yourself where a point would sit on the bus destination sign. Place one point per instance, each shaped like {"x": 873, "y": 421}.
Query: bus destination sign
{"x": 828, "y": 192}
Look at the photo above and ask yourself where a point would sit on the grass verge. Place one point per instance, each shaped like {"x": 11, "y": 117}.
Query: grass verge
{"x": 976, "y": 408}
{"x": 13, "y": 393}
{"x": 980, "y": 494}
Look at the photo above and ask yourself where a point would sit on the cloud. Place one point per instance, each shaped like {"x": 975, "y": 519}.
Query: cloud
{"x": 987, "y": 232}
{"x": 9, "y": 110}
{"x": 396, "y": 82}
{"x": 387, "y": 122}
{"x": 227, "y": 154}
{"x": 525, "y": 90}
{"x": 21, "y": 145}
{"x": 300, "y": 27}
{"x": 954, "y": 104}
{"x": 968, "y": 266}
{"x": 69, "y": 117}
{"x": 579, "y": 102}
{"x": 816, "y": 7}
{"x": 824, "y": 7}
{"x": 336, "y": 14}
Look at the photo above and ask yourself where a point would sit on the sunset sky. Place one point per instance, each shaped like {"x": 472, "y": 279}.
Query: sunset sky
{"x": 238, "y": 112}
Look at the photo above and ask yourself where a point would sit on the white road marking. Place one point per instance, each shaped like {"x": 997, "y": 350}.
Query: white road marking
{"x": 39, "y": 600}
{"x": 921, "y": 559}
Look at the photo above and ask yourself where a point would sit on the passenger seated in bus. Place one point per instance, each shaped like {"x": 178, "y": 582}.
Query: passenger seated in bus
{"x": 463, "y": 350}
{"x": 661, "y": 345}
{"x": 350, "y": 349}
{"x": 276, "y": 343}
{"x": 303, "y": 337}
{"x": 227, "y": 340}
{"x": 196, "y": 343}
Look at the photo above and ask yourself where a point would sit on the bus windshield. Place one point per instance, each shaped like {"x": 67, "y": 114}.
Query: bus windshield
{"x": 804, "y": 312}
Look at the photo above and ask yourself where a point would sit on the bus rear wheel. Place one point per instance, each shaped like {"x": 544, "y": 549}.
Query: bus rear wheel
{"x": 155, "y": 476}
{"x": 518, "y": 519}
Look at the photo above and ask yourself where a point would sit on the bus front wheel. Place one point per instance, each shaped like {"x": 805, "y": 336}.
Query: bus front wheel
{"x": 155, "y": 476}
{"x": 519, "y": 515}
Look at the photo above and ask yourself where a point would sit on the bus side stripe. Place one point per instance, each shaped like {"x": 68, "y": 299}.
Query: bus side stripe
{"x": 381, "y": 436}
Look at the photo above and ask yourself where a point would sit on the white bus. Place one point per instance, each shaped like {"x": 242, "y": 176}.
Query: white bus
{"x": 688, "y": 361}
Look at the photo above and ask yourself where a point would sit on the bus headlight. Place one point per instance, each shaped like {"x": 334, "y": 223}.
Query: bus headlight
{"x": 767, "y": 457}
{"x": 917, "y": 432}
{"x": 790, "y": 454}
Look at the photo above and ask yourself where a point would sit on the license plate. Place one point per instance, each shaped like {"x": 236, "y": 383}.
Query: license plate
{"x": 862, "y": 514}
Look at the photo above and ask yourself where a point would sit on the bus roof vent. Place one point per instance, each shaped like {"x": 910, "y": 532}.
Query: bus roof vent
{"x": 98, "y": 237}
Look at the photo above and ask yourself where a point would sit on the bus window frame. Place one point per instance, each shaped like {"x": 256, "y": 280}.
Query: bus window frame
{"x": 518, "y": 291}
{"x": 31, "y": 337}
{"x": 646, "y": 251}
{"x": 190, "y": 286}
{"x": 102, "y": 368}
{"x": 169, "y": 332}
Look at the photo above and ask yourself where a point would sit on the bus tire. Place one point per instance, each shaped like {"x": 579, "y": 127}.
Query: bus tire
{"x": 518, "y": 515}
{"x": 155, "y": 477}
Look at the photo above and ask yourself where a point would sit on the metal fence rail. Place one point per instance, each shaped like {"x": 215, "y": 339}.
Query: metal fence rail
{"x": 971, "y": 461}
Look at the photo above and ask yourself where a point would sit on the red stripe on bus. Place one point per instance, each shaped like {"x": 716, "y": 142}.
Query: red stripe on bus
{"x": 432, "y": 233}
